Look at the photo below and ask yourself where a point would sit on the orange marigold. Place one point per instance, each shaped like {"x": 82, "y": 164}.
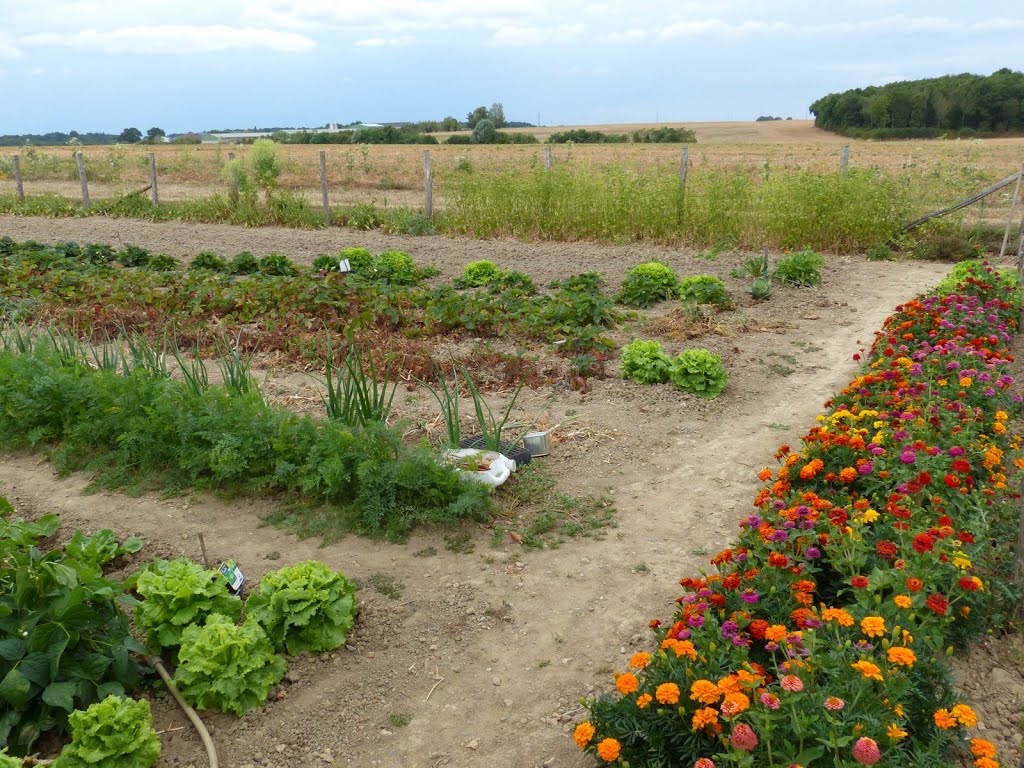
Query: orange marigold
{"x": 847, "y": 474}
{"x": 685, "y": 648}
{"x": 729, "y": 684}
{"x": 639, "y": 660}
{"x": 943, "y": 719}
{"x": 964, "y": 715}
{"x": 869, "y": 670}
{"x": 643, "y": 700}
{"x": 667, "y": 693}
{"x": 583, "y": 734}
{"x": 608, "y": 750}
{"x": 627, "y": 683}
{"x": 982, "y": 748}
{"x": 735, "y": 703}
{"x": 902, "y": 601}
{"x": 704, "y": 717}
{"x": 894, "y": 732}
{"x": 905, "y": 657}
{"x": 776, "y": 633}
{"x": 873, "y": 626}
{"x": 839, "y": 615}
{"x": 986, "y": 762}
{"x": 705, "y": 692}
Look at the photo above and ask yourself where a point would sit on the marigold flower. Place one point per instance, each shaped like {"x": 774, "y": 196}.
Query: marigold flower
{"x": 894, "y": 732}
{"x": 735, "y": 703}
{"x": 904, "y": 657}
{"x": 847, "y": 474}
{"x": 886, "y": 550}
{"x": 986, "y": 762}
{"x": 608, "y": 750}
{"x": 943, "y": 719}
{"x": 667, "y": 693}
{"x": 583, "y": 734}
{"x": 865, "y": 751}
{"x": 964, "y": 715}
{"x": 643, "y": 700}
{"x": 764, "y": 475}
{"x": 639, "y": 660}
{"x": 839, "y": 615}
{"x": 685, "y": 648}
{"x": 970, "y": 584}
{"x": 743, "y": 738}
{"x": 705, "y": 692}
{"x": 873, "y": 626}
{"x": 757, "y": 629}
{"x": 775, "y": 633}
{"x": 982, "y": 748}
{"x": 792, "y": 683}
{"x": 902, "y": 601}
{"x": 869, "y": 670}
{"x": 704, "y": 717}
{"x": 627, "y": 683}
{"x": 834, "y": 703}
{"x": 923, "y": 542}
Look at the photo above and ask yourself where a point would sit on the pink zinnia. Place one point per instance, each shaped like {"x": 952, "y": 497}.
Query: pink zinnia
{"x": 743, "y": 738}
{"x": 792, "y": 683}
{"x": 865, "y": 751}
{"x": 704, "y": 762}
{"x": 770, "y": 700}
{"x": 834, "y": 704}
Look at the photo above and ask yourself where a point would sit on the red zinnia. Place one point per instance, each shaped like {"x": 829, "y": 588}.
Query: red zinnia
{"x": 952, "y": 480}
{"x": 914, "y": 584}
{"x": 969, "y": 585}
{"x": 886, "y": 550}
{"x": 937, "y": 603}
{"x": 960, "y": 466}
{"x": 923, "y": 543}
{"x": 859, "y": 581}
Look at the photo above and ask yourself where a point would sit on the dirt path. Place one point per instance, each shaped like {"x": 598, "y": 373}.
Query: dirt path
{"x": 489, "y": 652}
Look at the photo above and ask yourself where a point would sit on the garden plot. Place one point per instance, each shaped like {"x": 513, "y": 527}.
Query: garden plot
{"x": 479, "y": 658}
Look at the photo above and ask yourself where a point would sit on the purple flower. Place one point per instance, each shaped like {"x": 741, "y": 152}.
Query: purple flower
{"x": 908, "y": 457}
{"x": 956, "y": 450}
{"x": 749, "y": 596}
{"x": 865, "y": 468}
{"x": 695, "y": 621}
{"x": 778, "y": 535}
{"x": 812, "y": 553}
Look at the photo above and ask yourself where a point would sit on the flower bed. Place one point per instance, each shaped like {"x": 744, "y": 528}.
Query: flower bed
{"x": 819, "y": 641}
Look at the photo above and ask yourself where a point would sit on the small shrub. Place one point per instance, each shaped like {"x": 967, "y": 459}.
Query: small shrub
{"x": 227, "y": 667}
{"x": 647, "y": 284}
{"x": 665, "y": 135}
{"x": 325, "y": 263}
{"x": 512, "y": 282}
{"x": 360, "y": 259}
{"x": 396, "y": 267}
{"x": 800, "y": 268}
{"x": 133, "y": 256}
{"x": 244, "y": 263}
{"x": 364, "y": 216}
{"x": 755, "y": 266}
{"x": 305, "y": 607}
{"x": 210, "y": 261}
{"x": 277, "y": 265}
{"x": 98, "y": 253}
{"x": 161, "y": 262}
{"x": 113, "y": 733}
{"x": 479, "y": 273}
{"x": 880, "y": 252}
{"x": 645, "y": 362}
{"x": 484, "y": 132}
{"x": 699, "y": 372}
{"x": 704, "y": 289}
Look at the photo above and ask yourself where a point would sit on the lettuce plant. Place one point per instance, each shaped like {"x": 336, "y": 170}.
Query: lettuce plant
{"x": 113, "y": 733}
{"x": 101, "y": 547}
{"x": 647, "y": 284}
{"x": 305, "y": 607}
{"x": 704, "y": 289}
{"x": 479, "y": 273}
{"x": 179, "y": 593}
{"x": 226, "y": 666}
{"x": 700, "y": 372}
{"x": 645, "y": 362}
{"x": 9, "y": 761}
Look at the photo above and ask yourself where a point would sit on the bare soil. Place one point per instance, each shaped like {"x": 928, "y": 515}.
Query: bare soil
{"x": 480, "y": 658}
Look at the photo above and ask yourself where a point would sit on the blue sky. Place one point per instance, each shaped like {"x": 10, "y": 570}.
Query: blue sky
{"x": 103, "y": 65}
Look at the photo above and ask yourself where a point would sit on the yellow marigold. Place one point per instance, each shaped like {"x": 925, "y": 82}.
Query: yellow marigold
{"x": 703, "y": 718}
{"x": 627, "y": 683}
{"x": 959, "y": 561}
{"x": 897, "y": 654}
{"x": 776, "y": 633}
{"x": 667, "y": 693}
{"x": 873, "y": 626}
{"x": 1000, "y": 416}
{"x": 943, "y": 719}
{"x": 639, "y": 660}
{"x": 902, "y": 601}
{"x": 870, "y": 515}
{"x": 965, "y": 715}
{"x": 608, "y": 750}
{"x": 982, "y": 748}
{"x": 894, "y": 732}
{"x": 643, "y": 700}
{"x": 685, "y": 648}
{"x": 998, "y": 428}
{"x": 869, "y": 670}
{"x": 583, "y": 734}
{"x": 735, "y": 703}
{"x": 705, "y": 692}
{"x": 839, "y": 615}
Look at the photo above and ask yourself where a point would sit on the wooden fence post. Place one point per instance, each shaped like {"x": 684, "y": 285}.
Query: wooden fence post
{"x": 547, "y": 158}
{"x": 83, "y": 180}
{"x": 428, "y": 185}
{"x": 684, "y": 162}
{"x": 323, "y": 188}
{"x": 1013, "y": 210}
{"x": 233, "y": 194}
{"x": 17, "y": 177}
{"x": 152, "y": 179}
{"x": 684, "y": 167}
{"x": 844, "y": 158}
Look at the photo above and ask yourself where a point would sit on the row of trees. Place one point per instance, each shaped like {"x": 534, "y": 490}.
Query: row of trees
{"x": 58, "y": 138}
{"x": 961, "y": 104}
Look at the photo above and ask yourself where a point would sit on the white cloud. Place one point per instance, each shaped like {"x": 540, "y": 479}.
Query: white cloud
{"x": 8, "y": 48}
{"x": 173, "y": 39}
{"x": 381, "y": 42}
{"x": 517, "y": 36}
{"x": 628, "y": 36}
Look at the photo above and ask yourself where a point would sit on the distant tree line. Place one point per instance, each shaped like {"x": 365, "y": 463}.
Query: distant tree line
{"x": 57, "y": 138}
{"x": 964, "y": 105}
{"x": 769, "y": 119}
{"x": 661, "y": 135}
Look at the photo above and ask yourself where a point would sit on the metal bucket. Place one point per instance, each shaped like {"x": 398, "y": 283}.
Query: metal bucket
{"x": 537, "y": 443}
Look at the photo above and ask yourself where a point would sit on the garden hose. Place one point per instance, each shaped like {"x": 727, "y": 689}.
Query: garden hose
{"x": 204, "y": 735}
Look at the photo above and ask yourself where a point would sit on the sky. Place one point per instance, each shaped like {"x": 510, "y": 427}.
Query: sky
{"x": 104, "y": 65}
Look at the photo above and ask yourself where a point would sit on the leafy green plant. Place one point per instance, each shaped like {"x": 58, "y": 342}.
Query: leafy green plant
{"x": 704, "y": 289}
{"x": 648, "y": 283}
{"x": 360, "y": 259}
{"x": 210, "y": 261}
{"x": 177, "y": 594}
{"x": 447, "y": 396}
{"x": 396, "y": 267}
{"x": 491, "y": 427}
{"x": 101, "y": 547}
{"x": 760, "y": 289}
{"x": 114, "y": 733}
{"x": 277, "y": 265}
{"x": 357, "y": 394}
{"x": 800, "y": 268}
{"x": 645, "y": 362}
{"x": 363, "y": 216}
{"x": 479, "y": 273}
{"x": 226, "y": 666}
{"x": 9, "y": 761}
{"x": 264, "y": 164}
{"x": 879, "y": 252}
{"x": 244, "y": 263}
{"x": 161, "y": 262}
{"x": 304, "y": 607}
{"x": 133, "y": 256}
{"x": 700, "y": 372}
{"x": 754, "y": 266}
{"x": 325, "y": 263}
